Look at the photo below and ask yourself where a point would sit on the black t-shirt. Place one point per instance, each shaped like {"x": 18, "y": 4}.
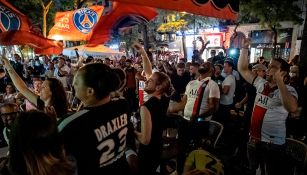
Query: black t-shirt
{"x": 40, "y": 104}
{"x": 179, "y": 83}
{"x": 218, "y": 79}
{"x": 150, "y": 154}
{"x": 96, "y": 137}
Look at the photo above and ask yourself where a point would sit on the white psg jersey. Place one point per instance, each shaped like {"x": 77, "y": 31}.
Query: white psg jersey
{"x": 143, "y": 96}
{"x": 211, "y": 91}
{"x": 269, "y": 115}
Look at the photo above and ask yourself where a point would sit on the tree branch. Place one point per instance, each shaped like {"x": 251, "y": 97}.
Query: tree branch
{"x": 42, "y": 4}
{"x": 48, "y": 6}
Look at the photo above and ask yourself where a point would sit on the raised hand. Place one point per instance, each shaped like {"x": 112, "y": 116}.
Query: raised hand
{"x": 278, "y": 76}
{"x": 137, "y": 46}
{"x": 49, "y": 110}
{"x": 246, "y": 43}
{"x": 4, "y": 60}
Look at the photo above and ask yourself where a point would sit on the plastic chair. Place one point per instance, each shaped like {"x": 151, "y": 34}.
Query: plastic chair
{"x": 215, "y": 132}
{"x": 298, "y": 151}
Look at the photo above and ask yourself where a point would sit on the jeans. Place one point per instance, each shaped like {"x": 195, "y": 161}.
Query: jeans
{"x": 272, "y": 158}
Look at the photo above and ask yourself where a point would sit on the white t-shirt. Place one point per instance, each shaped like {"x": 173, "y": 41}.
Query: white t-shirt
{"x": 211, "y": 91}
{"x": 269, "y": 115}
{"x": 64, "y": 78}
{"x": 227, "y": 99}
{"x": 234, "y": 73}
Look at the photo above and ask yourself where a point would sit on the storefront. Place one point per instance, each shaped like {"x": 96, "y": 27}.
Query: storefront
{"x": 262, "y": 40}
{"x": 216, "y": 43}
{"x": 262, "y": 44}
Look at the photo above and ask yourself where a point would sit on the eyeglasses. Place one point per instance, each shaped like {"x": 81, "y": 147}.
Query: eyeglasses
{"x": 9, "y": 114}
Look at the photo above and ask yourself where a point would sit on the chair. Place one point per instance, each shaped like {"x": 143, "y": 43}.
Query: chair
{"x": 174, "y": 128}
{"x": 298, "y": 151}
{"x": 215, "y": 131}
{"x": 173, "y": 137}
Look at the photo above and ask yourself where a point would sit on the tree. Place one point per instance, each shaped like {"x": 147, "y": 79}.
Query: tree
{"x": 46, "y": 8}
{"x": 42, "y": 12}
{"x": 271, "y": 13}
{"x": 127, "y": 36}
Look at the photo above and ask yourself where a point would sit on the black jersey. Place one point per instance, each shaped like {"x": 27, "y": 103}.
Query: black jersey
{"x": 149, "y": 155}
{"x": 96, "y": 138}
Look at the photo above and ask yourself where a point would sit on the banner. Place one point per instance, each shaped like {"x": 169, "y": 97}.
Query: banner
{"x": 75, "y": 25}
{"x": 212, "y": 8}
{"x": 15, "y": 29}
{"x": 121, "y": 15}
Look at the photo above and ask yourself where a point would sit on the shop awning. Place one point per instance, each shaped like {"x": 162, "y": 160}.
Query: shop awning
{"x": 212, "y": 8}
{"x": 98, "y": 51}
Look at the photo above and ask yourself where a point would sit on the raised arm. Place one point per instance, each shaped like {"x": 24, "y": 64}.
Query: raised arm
{"x": 243, "y": 63}
{"x": 288, "y": 100}
{"x": 19, "y": 83}
{"x": 203, "y": 45}
{"x": 146, "y": 62}
{"x": 144, "y": 136}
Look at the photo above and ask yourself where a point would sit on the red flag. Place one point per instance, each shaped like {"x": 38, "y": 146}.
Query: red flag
{"x": 16, "y": 30}
{"x": 121, "y": 15}
{"x": 75, "y": 25}
{"x": 11, "y": 18}
{"x": 39, "y": 43}
{"x": 212, "y": 8}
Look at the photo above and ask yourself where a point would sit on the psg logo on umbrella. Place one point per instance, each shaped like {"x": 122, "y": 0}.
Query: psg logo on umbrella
{"x": 85, "y": 19}
{"x": 8, "y": 20}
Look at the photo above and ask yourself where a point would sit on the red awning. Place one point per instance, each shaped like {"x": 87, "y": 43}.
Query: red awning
{"x": 211, "y": 8}
{"x": 121, "y": 15}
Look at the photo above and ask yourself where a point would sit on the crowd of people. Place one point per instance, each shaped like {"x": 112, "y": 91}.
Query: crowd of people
{"x": 108, "y": 116}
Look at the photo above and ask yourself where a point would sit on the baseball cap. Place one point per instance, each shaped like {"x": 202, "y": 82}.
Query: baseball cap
{"x": 260, "y": 67}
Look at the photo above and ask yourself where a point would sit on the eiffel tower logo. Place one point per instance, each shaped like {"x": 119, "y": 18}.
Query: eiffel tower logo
{"x": 86, "y": 22}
